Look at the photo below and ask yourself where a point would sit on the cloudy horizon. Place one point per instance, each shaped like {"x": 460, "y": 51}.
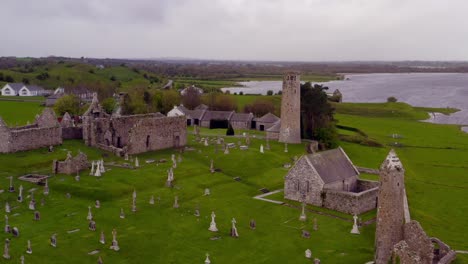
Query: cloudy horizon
{"x": 272, "y": 30}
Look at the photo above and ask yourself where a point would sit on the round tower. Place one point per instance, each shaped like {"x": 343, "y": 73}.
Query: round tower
{"x": 290, "y": 131}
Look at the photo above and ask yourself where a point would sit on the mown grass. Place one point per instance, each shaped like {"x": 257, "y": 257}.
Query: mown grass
{"x": 19, "y": 113}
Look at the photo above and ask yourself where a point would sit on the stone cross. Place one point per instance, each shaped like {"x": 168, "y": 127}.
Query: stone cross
{"x": 303, "y": 216}
{"x": 53, "y": 240}
{"x": 134, "y": 209}
{"x": 97, "y": 173}
{"x": 20, "y": 195}
{"x": 6, "y": 249}
{"x": 234, "y": 229}
{"x": 102, "y": 238}
{"x": 122, "y": 214}
{"x": 261, "y": 149}
{"x": 213, "y": 227}
{"x": 308, "y": 253}
{"x": 11, "y": 188}
{"x": 176, "y": 202}
{"x": 207, "y": 260}
{"x": 355, "y": 229}
{"x": 115, "y": 244}
{"x": 46, "y": 187}
{"x": 90, "y": 214}
{"x": 92, "y": 168}
{"x": 7, "y": 208}
{"x": 29, "y": 248}
{"x": 32, "y": 203}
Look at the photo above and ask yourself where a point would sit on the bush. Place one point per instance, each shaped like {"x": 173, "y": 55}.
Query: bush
{"x": 392, "y": 99}
{"x": 112, "y": 78}
{"x": 241, "y": 93}
{"x": 280, "y": 92}
{"x": 109, "y": 105}
{"x": 230, "y": 130}
{"x": 67, "y": 103}
{"x": 327, "y": 136}
{"x": 269, "y": 92}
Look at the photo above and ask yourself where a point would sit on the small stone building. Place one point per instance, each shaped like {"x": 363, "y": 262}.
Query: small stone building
{"x": 71, "y": 165}
{"x": 132, "y": 134}
{"x": 241, "y": 120}
{"x": 273, "y": 131}
{"x": 329, "y": 179}
{"x": 44, "y": 132}
{"x": 265, "y": 122}
{"x": 216, "y": 119}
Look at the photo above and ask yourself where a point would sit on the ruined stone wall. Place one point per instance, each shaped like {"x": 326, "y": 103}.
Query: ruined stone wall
{"x": 266, "y": 125}
{"x": 363, "y": 185}
{"x": 72, "y": 132}
{"x": 350, "y": 203}
{"x": 348, "y": 185}
{"x": 157, "y": 133}
{"x": 33, "y": 138}
{"x": 390, "y": 212}
{"x": 419, "y": 242}
{"x": 303, "y": 180}
{"x": 240, "y": 124}
{"x": 290, "y": 131}
{"x": 71, "y": 165}
{"x": 4, "y": 137}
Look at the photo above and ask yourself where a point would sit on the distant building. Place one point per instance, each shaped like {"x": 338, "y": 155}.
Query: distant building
{"x": 82, "y": 93}
{"x": 21, "y": 89}
{"x": 266, "y": 121}
{"x": 192, "y": 87}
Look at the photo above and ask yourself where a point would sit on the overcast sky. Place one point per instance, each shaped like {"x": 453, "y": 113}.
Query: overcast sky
{"x": 305, "y": 30}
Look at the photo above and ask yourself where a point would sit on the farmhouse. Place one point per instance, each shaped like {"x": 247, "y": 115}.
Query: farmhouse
{"x": 329, "y": 179}
{"x": 20, "y": 89}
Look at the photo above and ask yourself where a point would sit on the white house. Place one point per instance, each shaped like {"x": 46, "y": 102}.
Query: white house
{"x": 20, "y": 89}
{"x": 177, "y": 111}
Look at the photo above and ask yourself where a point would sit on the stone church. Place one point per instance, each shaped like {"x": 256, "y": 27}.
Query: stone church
{"x": 329, "y": 179}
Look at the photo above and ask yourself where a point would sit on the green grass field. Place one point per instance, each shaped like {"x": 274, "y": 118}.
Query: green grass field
{"x": 434, "y": 156}
{"x": 20, "y": 113}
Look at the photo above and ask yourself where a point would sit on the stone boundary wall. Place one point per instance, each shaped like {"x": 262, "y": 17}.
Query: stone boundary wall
{"x": 350, "y": 203}
{"x": 363, "y": 185}
{"x": 72, "y": 132}
{"x": 367, "y": 170}
{"x": 116, "y": 151}
{"x": 33, "y": 138}
{"x": 71, "y": 165}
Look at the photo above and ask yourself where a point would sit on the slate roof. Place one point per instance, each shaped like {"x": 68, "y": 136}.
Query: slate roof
{"x": 195, "y": 114}
{"x": 34, "y": 88}
{"x": 183, "y": 109}
{"x": 275, "y": 128}
{"x": 267, "y": 118}
{"x": 218, "y": 115}
{"x": 201, "y": 107}
{"x": 16, "y": 86}
{"x": 242, "y": 117}
{"x": 332, "y": 165}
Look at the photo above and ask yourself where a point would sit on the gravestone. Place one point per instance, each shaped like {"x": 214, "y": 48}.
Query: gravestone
{"x": 68, "y": 195}
{"x": 213, "y": 227}
{"x": 92, "y": 168}
{"x": 226, "y": 150}
{"x": 261, "y": 149}
{"x": 97, "y": 204}
{"x": 77, "y": 177}
{"x": 305, "y": 234}
{"x": 101, "y": 167}
{"x": 97, "y": 173}
{"x": 197, "y": 212}
{"x": 53, "y": 240}
{"x": 6, "y": 249}
{"x": 7, "y": 208}
{"x": 308, "y": 253}
{"x": 20, "y": 194}
{"x": 252, "y": 224}
{"x": 46, "y": 187}
{"x": 315, "y": 224}
{"x": 7, "y": 226}
{"x": 100, "y": 260}
{"x": 29, "y": 248}
{"x": 206, "y": 142}
{"x": 137, "y": 163}
{"x": 170, "y": 178}
{"x": 37, "y": 216}
{"x": 355, "y": 229}
{"x": 11, "y": 188}
{"x": 115, "y": 244}
{"x": 316, "y": 261}
{"x": 303, "y": 216}
{"x": 15, "y": 232}
{"x": 207, "y": 192}
{"x": 212, "y": 169}
{"x": 176, "y": 202}
{"x": 151, "y": 201}
{"x": 126, "y": 156}
{"x": 22, "y": 259}
{"x": 102, "y": 238}
{"x": 32, "y": 202}
{"x": 92, "y": 225}
{"x": 122, "y": 214}
{"x": 234, "y": 232}
{"x": 134, "y": 195}
{"x": 207, "y": 260}
{"x": 286, "y": 147}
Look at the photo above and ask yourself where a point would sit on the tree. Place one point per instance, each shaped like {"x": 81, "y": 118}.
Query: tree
{"x": 25, "y": 80}
{"x": 224, "y": 102}
{"x": 317, "y": 115}
{"x": 43, "y": 76}
{"x": 260, "y": 107}
{"x": 191, "y": 98}
{"x": 112, "y": 78}
{"x": 126, "y": 105}
{"x": 109, "y": 105}
{"x": 9, "y": 79}
{"x": 230, "y": 130}
{"x": 269, "y": 92}
{"x": 392, "y": 99}
{"x": 170, "y": 98}
{"x": 68, "y": 103}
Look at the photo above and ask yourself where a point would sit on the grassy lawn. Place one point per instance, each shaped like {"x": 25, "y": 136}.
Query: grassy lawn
{"x": 19, "y": 112}
{"x": 434, "y": 156}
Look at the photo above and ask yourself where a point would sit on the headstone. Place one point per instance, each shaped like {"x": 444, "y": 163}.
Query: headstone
{"x": 206, "y": 142}
{"x": 261, "y": 149}
{"x": 252, "y": 224}
{"x": 303, "y": 216}
{"x": 197, "y": 212}
{"x": 29, "y": 248}
{"x": 247, "y": 140}
{"x": 207, "y": 260}
{"x": 213, "y": 227}
{"x": 97, "y": 173}
{"x": 42, "y": 201}
{"x": 90, "y": 214}
{"x": 102, "y": 238}
{"x": 15, "y": 232}
{"x": 316, "y": 261}
{"x": 234, "y": 229}
{"x": 11, "y": 188}
{"x": 355, "y": 229}
{"x": 207, "y": 192}
{"x": 126, "y": 156}
{"x": 115, "y": 244}
{"x": 176, "y": 202}
{"x": 286, "y": 147}
{"x": 315, "y": 224}
{"x": 92, "y": 168}
{"x": 179, "y": 158}
{"x": 99, "y": 261}
{"x": 20, "y": 194}
{"x": 137, "y": 163}
{"x": 53, "y": 240}
{"x": 151, "y": 201}
{"x": 92, "y": 225}
{"x": 134, "y": 209}
{"x": 51, "y": 148}
{"x": 32, "y": 202}
{"x": 6, "y": 249}
{"x": 226, "y": 150}
{"x": 37, "y": 216}
{"x": 77, "y": 177}
{"x": 122, "y": 214}
{"x": 46, "y": 187}
{"x": 101, "y": 167}
{"x": 68, "y": 195}
{"x": 212, "y": 169}
{"x": 308, "y": 253}
{"x": 305, "y": 234}
{"x": 7, "y": 208}
{"x": 170, "y": 177}
{"x": 22, "y": 259}
{"x": 7, "y": 226}
{"x": 97, "y": 204}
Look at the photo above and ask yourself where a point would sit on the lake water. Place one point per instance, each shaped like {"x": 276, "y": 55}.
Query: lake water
{"x": 417, "y": 89}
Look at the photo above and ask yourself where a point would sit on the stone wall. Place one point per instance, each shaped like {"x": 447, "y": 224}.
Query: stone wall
{"x": 348, "y": 185}
{"x": 290, "y": 131}
{"x": 71, "y": 165}
{"x": 350, "y": 203}
{"x": 72, "y": 132}
{"x": 272, "y": 135}
{"x": 265, "y": 125}
{"x": 241, "y": 124}
{"x": 301, "y": 181}
{"x": 367, "y": 170}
